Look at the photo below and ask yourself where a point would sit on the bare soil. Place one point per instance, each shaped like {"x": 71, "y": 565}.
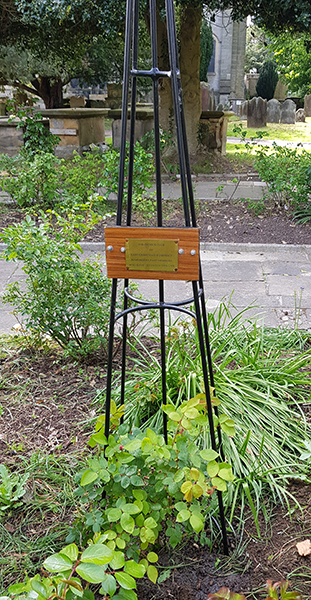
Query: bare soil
{"x": 49, "y": 404}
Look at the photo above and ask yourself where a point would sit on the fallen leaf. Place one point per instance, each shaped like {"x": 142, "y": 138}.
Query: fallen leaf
{"x": 304, "y": 548}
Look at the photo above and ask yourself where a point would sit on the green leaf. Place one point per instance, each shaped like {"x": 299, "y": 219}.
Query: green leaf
{"x": 175, "y": 416}
{"x": 132, "y": 445}
{"x": 113, "y": 514}
{"x": 152, "y": 557}
{"x": 136, "y": 480}
{"x": 88, "y": 477}
{"x": 146, "y": 445}
{"x": 109, "y": 585}
{"x": 196, "y": 523}
{"x": 120, "y": 543}
{"x": 219, "y": 484}
{"x": 182, "y": 516}
{"x": 118, "y": 561}
{"x": 39, "y": 588}
{"x": 150, "y": 522}
{"x": 57, "y": 563}
{"x": 208, "y": 454}
{"x": 71, "y": 551}
{"x": 133, "y": 568}
{"x": 125, "y": 595}
{"x": 226, "y": 473}
{"x": 192, "y": 413}
{"x": 131, "y": 509}
{"x": 152, "y": 573}
{"x": 99, "y": 554}
{"x": 127, "y": 522}
{"x": 99, "y": 438}
{"x": 125, "y": 581}
{"x": 212, "y": 468}
{"x": 91, "y": 572}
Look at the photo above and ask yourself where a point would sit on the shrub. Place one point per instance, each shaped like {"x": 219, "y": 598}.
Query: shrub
{"x": 65, "y": 298}
{"x": 134, "y": 489}
{"x": 267, "y": 80}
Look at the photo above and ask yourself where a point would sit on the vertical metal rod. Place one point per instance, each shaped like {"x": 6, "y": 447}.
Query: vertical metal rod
{"x": 125, "y": 93}
{"x": 209, "y": 407}
{"x": 163, "y": 356}
{"x": 130, "y": 185}
{"x": 177, "y": 99}
{"x": 110, "y": 355}
{"x": 132, "y": 114}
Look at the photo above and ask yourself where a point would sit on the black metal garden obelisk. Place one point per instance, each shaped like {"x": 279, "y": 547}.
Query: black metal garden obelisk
{"x": 123, "y": 244}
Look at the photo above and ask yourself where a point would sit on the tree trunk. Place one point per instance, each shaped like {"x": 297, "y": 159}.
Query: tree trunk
{"x": 165, "y": 89}
{"x": 51, "y": 93}
{"x": 190, "y": 54}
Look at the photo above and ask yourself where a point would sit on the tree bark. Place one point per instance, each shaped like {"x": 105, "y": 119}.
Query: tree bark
{"x": 190, "y": 54}
{"x": 50, "y": 92}
{"x": 165, "y": 89}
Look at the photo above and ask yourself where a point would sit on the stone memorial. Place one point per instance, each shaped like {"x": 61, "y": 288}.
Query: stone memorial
{"x": 300, "y": 115}
{"x": 204, "y": 95}
{"x": 288, "y": 112}
{"x": 77, "y": 102}
{"x": 243, "y": 113}
{"x": 257, "y": 112}
{"x": 273, "y": 111}
{"x": 307, "y": 105}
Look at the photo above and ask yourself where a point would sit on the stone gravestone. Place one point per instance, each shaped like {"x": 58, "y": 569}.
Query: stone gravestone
{"x": 77, "y": 102}
{"x": 257, "y": 112}
{"x": 288, "y": 112}
{"x": 273, "y": 111}
{"x": 204, "y": 95}
{"x": 243, "y": 113}
{"x": 307, "y": 105}
{"x": 300, "y": 115}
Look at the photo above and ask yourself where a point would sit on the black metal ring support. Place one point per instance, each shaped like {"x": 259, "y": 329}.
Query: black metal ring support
{"x": 131, "y": 72}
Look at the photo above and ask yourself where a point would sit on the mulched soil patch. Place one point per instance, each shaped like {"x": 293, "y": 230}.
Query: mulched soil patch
{"x": 46, "y": 400}
{"x": 221, "y": 221}
{"x": 218, "y": 220}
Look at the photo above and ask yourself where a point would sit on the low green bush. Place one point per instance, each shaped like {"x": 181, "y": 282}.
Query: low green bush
{"x": 65, "y": 298}
{"x": 133, "y": 488}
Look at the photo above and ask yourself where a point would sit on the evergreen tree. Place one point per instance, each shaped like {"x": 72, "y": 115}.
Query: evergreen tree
{"x": 267, "y": 81}
{"x": 207, "y": 46}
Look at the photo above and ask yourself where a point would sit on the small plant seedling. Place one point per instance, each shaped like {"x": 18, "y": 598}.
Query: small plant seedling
{"x": 12, "y": 489}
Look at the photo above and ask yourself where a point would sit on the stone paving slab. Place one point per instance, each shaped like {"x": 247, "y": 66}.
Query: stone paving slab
{"x": 269, "y": 278}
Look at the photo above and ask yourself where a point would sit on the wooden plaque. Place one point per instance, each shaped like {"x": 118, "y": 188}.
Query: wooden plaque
{"x": 152, "y": 253}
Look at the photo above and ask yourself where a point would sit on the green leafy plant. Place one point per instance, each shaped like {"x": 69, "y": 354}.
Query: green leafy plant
{"x": 31, "y": 181}
{"x": 273, "y": 589}
{"x": 65, "y": 298}
{"x": 133, "y": 488}
{"x": 37, "y": 136}
{"x": 12, "y": 489}
{"x": 225, "y": 594}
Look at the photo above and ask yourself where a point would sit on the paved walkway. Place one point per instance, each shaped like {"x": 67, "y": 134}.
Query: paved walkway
{"x": 275, "y": 278}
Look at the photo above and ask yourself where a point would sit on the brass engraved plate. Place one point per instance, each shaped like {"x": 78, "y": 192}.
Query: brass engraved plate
{"x": 151, "y": 255}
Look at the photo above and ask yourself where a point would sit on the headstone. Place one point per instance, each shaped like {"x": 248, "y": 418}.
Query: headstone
{"x": 77, "y": 102}
{"x": 307, "y": 105}
{"x": 257, "y": 112}
{"x": 273, "y": 111}
{"x": 204, "y": 95}
{"x": 288, "y": 112}
{"x": 212, "y": 101}
{"x": 300, "y": 115}
{"x": 243, "y": 113}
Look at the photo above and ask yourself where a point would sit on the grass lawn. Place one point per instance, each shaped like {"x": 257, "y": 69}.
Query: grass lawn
{"x": 300, "y": 132}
